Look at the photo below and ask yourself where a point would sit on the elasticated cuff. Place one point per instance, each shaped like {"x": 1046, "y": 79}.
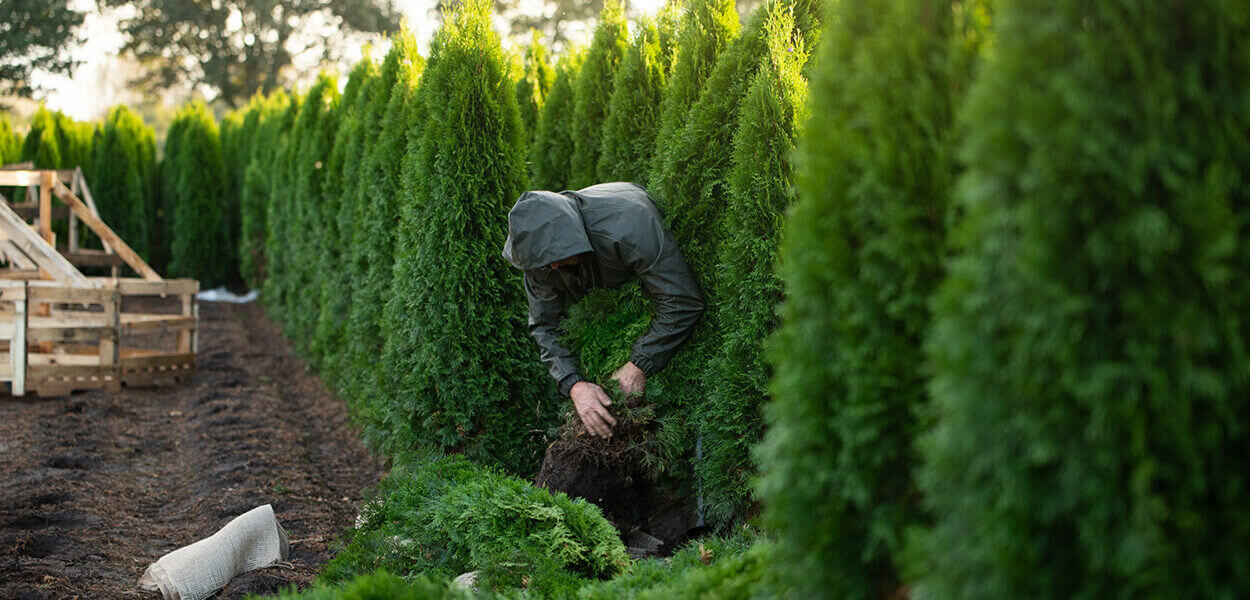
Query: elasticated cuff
{"x": 643, "y": 362}
{"x": 566, "y": 384}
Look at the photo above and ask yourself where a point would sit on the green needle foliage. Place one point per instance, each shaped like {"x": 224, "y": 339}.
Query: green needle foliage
{"x": 273, "y": 117}
{"x": 287, "y": 235}
{"x": 332, "y": 281}
{"x": 380, "y": 585}
{"x": 594, "y": 92}
{"x": 377, "y": 218}
{"x": 42, "y": 144}
{"x": 1090, "y": 344}
{"x": 634, "y": 112}
{"x": 10, "y": 142}
{"x": 551, "y": 154}
{"x": 362, "y": 336}
{"x": 534, "y": 84}
{"x": 462, "y": 372}
{"x": 707, "y": 26}
{"x": 725, "y": 568}
{"x": 307, "y": 209}
{"x": 121, "y": 176}
{"x": 864, "y": 253}
{"x": 761, "y": 186}
{"x": 199, "y": 238}
{"x": 447, "y": 516}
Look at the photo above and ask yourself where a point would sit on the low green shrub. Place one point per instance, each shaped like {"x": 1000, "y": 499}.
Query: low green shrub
{"x": 380, "y": 585}
{"x": 446, "y": 516}
{"x": 724, "y": 568}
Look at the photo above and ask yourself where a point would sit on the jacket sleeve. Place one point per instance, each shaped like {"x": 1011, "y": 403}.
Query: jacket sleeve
{"x": 678, "y": 305}
{"x": 546, "y": 307}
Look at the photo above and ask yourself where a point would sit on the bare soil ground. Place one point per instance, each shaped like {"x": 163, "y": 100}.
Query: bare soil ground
{"x": 95, "y": 486}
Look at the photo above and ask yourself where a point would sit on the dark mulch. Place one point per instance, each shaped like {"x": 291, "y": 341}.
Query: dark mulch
{"x": 95, "y": 486}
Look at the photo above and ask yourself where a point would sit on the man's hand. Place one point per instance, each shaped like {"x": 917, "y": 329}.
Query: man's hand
{"x": 631, "y": 379}
{"x": 592, "y": 403}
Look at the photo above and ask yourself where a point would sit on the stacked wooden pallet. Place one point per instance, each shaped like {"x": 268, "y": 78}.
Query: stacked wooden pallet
{"x": 61, "y": 331}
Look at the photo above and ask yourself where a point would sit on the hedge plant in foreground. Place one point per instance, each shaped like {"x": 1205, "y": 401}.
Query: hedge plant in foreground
{"x": 1090, "y": 343}
{"x": 707, "y": 26}
{"x": 332, "y": 283}
{"x": 381, "y": 585}
{"x": 724, "y": 568}
{"x": 199, "y": 241}
{"x": 593, "y": 92}
{"x": 551, "y": 152}
{"x": 120, "y": 176}
{"x": 446, "y": 516}
{"x": 761, "y": 187}
{"x": 462, "y": 373}
{"x": 864, "y": 253}
{"x": 633, "y": 112}
{"x": 534, "y": 84}
{"x": 374, "y": 232}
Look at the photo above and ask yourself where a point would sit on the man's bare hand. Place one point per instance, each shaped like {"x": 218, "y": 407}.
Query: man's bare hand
{"x": 592, "y": 404}
{"x": 631, "y": 379}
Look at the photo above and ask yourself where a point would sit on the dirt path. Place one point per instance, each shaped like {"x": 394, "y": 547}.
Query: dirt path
{"x": 95, "y": 486}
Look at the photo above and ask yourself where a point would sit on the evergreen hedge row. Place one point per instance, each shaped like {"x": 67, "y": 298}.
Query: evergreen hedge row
{"x": 534, "y": 83}
{"x": 199, "y": 241}
{"x": 593, "y": 92}
{"x": 10, "y": 142}
{"x": 1089, "y": 344}
{"x": 122, "y": 176}
{"x": 551, "y": 152}
{"x": 628, "y": 135}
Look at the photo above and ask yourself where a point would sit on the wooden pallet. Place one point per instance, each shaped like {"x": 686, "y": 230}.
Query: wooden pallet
{"x": 61, "y": 331}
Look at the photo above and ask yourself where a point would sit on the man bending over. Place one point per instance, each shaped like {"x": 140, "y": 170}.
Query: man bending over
{"x": 569, "y": 243}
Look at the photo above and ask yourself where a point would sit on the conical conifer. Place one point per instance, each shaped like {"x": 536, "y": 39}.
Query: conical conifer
{"x": 634, "y": 111}
{"x": 551, "y": 153}
{"x": 534, "y": 84}
{"x": 593, "y": 92}
{"x": 199, "y": 244}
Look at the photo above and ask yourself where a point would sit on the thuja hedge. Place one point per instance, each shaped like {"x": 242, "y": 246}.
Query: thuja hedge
{"x": 761, "y": 187}
{"x": 551, "y": 152}
{"x": 200, "y": 243}
{"x": 628, "y": 133}
{"x": 707, "y": 26}
{"x": 1089, "y": 345}
{"x": 122, "y": 176}
{"x": 374, "y": 235}
{"x": 593, "y": 92}
{"x": 10, "y": 142}
{"x": 332, "y": 286}
{"x": 461, "y": 369}
{"x": 534, "y": 83}
{"x": 865, "y": 251}
{"x": 271, "y": 116}
{"x": 359, "y": 384}
{"x": 446, "y": 516}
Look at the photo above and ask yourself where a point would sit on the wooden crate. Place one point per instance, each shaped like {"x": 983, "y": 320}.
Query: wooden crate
{"x": 61, "y": 331}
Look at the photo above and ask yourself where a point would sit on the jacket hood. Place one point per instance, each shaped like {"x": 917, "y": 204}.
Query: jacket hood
{"x": 544, "y": 227}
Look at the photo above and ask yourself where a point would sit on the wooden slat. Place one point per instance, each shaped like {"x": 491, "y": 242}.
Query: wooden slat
{"x": 45, "y": 207}
{"x": 72, "y": 334}
{"x": 138, "y": 287}
{"x": 49, "y": 361}
{"x": 101, "y": 229}
{"x": 159, "y": 360}
{"x": 21, "y": 274}
{"x": 17, "y": 347}
{"x": 40, "y": 291}
{"x": 156, "y": 323}
{"x": 23, "y": 177}
{"x": 43, "y": 254}
{"x": 92, "y": 258}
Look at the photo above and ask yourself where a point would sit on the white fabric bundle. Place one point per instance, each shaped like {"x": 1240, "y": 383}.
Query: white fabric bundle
{"x": 250, "y": 541}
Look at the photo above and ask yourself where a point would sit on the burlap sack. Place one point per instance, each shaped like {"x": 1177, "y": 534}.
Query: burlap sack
{"x": 252, "y": 540}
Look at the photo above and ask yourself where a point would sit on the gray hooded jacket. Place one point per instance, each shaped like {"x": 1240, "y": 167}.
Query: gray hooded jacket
{"x": 621, "y": 228}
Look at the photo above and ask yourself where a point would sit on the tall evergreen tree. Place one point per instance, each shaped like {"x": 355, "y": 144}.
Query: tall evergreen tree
{"x": 377, "y": 183}
{"x": 466, "y": 375}
{"x": 761, "y": 187}
{"x": 864, "y": 253}
{"x": 119, "y": 176}
{"x": 199, "y": 240}
{"x": 551, "y": 153}
{"x": 275, "y": 115}
{"x": 534, "y": 84}
{"x": 594, "y": 92}
{"x": 634, "y": 111}
{"x": 10, "y": 142}
{"x": 707, "y": 27}
{"x": 693, "y": 189}
{"x": 1089, "y": 344}
{"x": 168, "y": 174}
{"x": 307, "y": 214}
{"x": 333, "y": 280}
{"x": 42, "y": 144}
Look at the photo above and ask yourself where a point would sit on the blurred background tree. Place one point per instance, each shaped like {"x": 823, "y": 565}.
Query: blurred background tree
{"x": 234, "y": 48}
{"x": 36, "y": 34}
